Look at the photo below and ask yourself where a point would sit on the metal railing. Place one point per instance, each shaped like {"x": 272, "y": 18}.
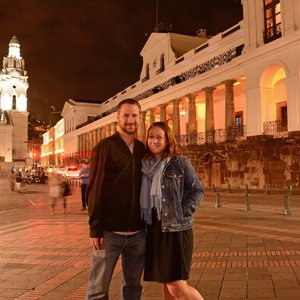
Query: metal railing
{"x": 214, "y": 136}
{"x": 277, "y": 129}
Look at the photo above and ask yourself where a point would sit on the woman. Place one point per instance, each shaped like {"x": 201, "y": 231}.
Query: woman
{"x": 171, "y": 192}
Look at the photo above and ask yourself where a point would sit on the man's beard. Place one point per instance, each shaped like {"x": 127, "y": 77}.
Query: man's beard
{"x": 130, "y": 128}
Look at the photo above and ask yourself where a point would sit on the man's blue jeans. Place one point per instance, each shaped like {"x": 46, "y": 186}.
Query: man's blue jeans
{"x": 132, "y": 250}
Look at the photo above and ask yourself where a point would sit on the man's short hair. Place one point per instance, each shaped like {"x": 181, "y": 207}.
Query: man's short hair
{"x": 129, "y": 101}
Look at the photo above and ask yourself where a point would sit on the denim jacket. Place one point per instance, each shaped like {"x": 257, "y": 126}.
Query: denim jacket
{"x": 182, "y": 193}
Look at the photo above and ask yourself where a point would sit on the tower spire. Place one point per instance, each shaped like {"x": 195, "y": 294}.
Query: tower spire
{"x": 14, "y": 48}
{"x": 14, "y": 60}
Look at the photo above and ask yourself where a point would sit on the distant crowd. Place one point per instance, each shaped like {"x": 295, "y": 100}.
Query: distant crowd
{"x": 26, "y": 176}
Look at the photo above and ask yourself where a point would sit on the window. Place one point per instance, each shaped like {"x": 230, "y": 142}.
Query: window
{"x": 282, "y": 116}
{"x": 162, "y": 64}
{"x": 283, "y": 112}
{"x": 239, "y": 119}
{"x": 90, "y": 119}
{"x": 147, "y": 70}
{"x": 147, "y": 76}
{"x": 272, "y": 14}
{"x": 239, "y": 123}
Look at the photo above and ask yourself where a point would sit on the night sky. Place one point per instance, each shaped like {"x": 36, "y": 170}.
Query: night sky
{"x": 89, "y": 49}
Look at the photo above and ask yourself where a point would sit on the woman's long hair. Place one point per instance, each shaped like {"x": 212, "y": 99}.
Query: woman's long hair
{"x": 171, "y": 146}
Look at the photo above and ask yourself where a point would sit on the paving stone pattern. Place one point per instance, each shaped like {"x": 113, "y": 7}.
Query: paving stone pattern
{"x": 238, "y": 254}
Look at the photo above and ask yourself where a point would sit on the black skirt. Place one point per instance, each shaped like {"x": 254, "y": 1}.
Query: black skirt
{"x": 168, "y": 254}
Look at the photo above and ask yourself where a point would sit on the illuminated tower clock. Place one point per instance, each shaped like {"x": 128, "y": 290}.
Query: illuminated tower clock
{"x": 13, "y": 98}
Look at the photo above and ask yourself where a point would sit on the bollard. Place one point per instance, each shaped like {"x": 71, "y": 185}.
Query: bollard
{"x": 218, "y": 201}
{"x": 291, "y": 192}
{"x": 247, "y": 206}
{"x": 214, "y": 188}
{"x": 267, "y": 190}
{"x": 247, "y": 190}
{"x": 229, "y": 188}
{"x": 287, "y": 209}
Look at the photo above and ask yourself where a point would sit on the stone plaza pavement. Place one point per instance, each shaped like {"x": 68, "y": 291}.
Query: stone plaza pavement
{"x": 238, "y": 254}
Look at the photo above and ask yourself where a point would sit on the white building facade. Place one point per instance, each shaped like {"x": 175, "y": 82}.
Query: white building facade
{"x": 13, "y": 106}
{"x": 57, "y": 141}
{"x": 240, "y": 84}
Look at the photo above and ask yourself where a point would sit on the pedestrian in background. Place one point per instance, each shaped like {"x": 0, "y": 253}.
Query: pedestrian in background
{"x": 170, "y": 194}
{"x": 57, "y": 187}
{"x": 12, "y": 180}
{"x": 84, "y": 176}
{"x": 18, "y": 181}
{"x": 114, "y": 207}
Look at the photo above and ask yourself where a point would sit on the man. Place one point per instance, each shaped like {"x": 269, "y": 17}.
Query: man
{"x": 114, "y": 207}
{"x": 84, "y": 176}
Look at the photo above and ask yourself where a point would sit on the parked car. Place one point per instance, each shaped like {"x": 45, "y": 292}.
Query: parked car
{"x": 72, "y": 172}
{"x": 61, "y": 170}
{"x": 50, "y": 169}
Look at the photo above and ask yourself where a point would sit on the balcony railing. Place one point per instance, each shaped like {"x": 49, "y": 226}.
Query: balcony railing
{"x": 191, "y": 139}
{"x": 214, "y": 136}
{"x": 277, "y": 129}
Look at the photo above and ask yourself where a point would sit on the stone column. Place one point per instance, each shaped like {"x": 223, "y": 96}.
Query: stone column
{"x": 82, "y": 148}
{"x": 229, "y": 110}
{"x": 192, "y": 124}
{"x": 113, "y": 127}
{"x": 95, "y": 137}
{"x": 176, "y": 119}
{"x": 152, "y": 116}
{"x": 192, "y": 117}
{"x": 209, "y": 115}
{"x": 142, "y": 131}
{"x": 98, "y": 135}
{"x": 107, "y": 130}
{"x": 92, "y": 137}
{"x": 86, "y": 143}
{"x": 163, "y": 112}
{"x": 90, "y": 142}
{"x": 80, "y": 144}
{"x": 103, "y": 136}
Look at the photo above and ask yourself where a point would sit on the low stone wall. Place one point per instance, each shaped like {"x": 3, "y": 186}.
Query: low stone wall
{"x": 258, "y": 162}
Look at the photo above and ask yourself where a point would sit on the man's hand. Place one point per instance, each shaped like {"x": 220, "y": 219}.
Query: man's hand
{"x": 96, "y": 243}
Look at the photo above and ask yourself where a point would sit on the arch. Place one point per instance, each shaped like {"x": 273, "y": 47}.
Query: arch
{"x": 274, "y": 101}
{"x": 273, "y": 72}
